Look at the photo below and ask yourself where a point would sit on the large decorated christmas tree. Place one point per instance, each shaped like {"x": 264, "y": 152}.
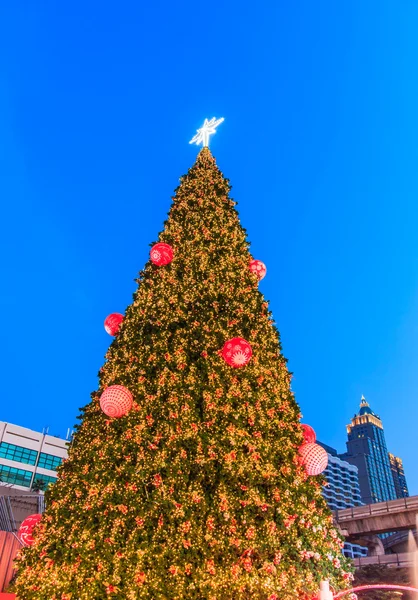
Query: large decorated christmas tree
{"x": 185, "y": 479}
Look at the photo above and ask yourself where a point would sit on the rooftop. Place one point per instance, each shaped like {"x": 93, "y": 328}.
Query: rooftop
{"x": 365, "y": 409}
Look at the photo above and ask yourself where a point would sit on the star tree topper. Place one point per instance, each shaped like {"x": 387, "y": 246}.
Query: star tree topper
{"x": 209, "y": 127}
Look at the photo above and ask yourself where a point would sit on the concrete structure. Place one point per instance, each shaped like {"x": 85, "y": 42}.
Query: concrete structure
{"x": 381, "y": 517}
{"x": 341, "y": 491}
{"x": 399, "y": 542}
{"x": 27, "y": 456}
{"x": 366, "y": 449}
{"x": 363, "y": 525}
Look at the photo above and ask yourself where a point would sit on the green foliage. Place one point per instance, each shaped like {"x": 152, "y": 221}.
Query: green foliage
{"x": 39, "y": 485}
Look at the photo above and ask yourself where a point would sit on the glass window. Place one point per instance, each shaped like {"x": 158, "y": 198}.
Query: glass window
{"x": 18, "y": 453}
{"x": 45, "y": 478}
{"x": 15, "y": 476}
{"x": 48, "y": 461}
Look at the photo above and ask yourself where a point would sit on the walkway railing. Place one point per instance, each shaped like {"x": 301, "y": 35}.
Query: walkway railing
{"x": 379, "y": 508}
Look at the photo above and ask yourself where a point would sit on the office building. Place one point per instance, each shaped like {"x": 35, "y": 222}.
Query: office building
{"x": 398, "y": 474}
{"x": 366, "y": 449}
{"x": 342, "y": 490}
{"x": 28, "y": 457}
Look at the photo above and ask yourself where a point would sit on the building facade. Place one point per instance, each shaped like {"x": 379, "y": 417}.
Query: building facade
{"x": 398, "y": 474}
{"x": 28, "y": 459}
{"x": 366, "y": 449}
{"x": 342, "y": 490}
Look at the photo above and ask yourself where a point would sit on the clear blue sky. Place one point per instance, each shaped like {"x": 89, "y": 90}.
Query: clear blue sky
{"x": 97, "y": 103}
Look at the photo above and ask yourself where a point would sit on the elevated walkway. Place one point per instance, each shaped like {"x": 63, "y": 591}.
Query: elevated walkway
{"x": 382, "y": 517}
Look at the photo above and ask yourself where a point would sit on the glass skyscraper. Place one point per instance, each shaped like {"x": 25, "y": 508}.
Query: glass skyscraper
{"x": 398, "y": 474}
{"x": 366, "y": 449}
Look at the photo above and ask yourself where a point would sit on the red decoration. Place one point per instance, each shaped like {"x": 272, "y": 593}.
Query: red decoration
{"x": 314, "y": 458}
{"x": 161, "y": 254}
{"x": 309, "y": 434}
{"x": 25, "y": 530}
{"x": 112, "y": 323}
{"x": 259, "y": 268}
{"x": 116, "y": 401}
{"x": 237, "y": 352}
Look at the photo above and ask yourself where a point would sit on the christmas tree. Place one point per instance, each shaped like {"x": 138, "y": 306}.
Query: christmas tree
{"x": 198, "y": 491}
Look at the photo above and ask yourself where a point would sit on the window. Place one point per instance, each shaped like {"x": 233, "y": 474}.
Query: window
{"x": 48, "y": 461}
{"x": 15, "y": 476}
{"x": 18, "y": 453}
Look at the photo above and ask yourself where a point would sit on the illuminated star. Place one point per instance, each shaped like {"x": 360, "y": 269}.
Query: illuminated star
{"x": 209, "y": 127}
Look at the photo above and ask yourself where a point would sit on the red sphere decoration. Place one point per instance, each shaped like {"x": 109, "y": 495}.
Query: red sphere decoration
{"x": 314, "y": 458}
{"x": 25, "y": 530}
{"x": 161, "y": 254}
{"x": 237, "y": 352}
{"x": 259, "y": 268}
{"x": 112, "y": 323}
{"x": 116, "y": 401}
{"x": 309, "y": 434}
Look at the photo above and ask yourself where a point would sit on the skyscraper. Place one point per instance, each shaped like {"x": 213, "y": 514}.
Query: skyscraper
{"x": 398, "y": 474}
{"x": 366, "y": 449}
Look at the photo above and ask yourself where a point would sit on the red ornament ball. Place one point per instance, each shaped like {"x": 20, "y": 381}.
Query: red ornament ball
{"x": 161, "y": 254}
{"x": 314, "y": 458}
{"x": 112, "y": 323}
{"x": 116, "y": 401}
{"x": 237, "y": 352}
{"x": 26, "y": 529}
{"x": 309, "y": 434}
{"x": 259, "y": 268}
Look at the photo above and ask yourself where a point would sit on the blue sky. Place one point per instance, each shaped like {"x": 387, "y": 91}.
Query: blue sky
{"x": 97, "y": 103}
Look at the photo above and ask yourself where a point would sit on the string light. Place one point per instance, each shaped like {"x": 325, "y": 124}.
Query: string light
{"x": 198, "y": 491}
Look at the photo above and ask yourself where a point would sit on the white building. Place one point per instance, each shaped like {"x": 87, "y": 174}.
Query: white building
{"x": 343, "y": 489}
{"x": 27, "y": 457}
